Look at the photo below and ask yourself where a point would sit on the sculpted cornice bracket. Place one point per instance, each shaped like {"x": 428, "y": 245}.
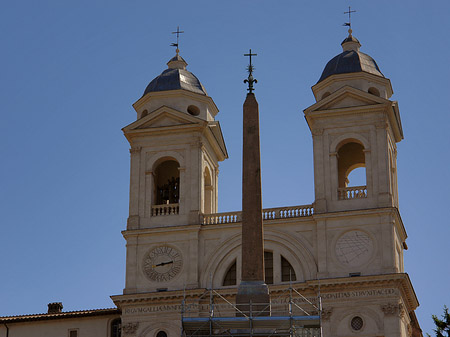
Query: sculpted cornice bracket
{"x": 135, "y": 149}
{"x": 326, "y": 313}
{"x": 393, "y": 309}
{"x": 130, "y": 328}
{"x": 317, "y": 132}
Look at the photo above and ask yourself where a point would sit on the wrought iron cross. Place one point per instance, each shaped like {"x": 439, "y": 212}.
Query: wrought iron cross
{"x": 250, "y": 80}
{"x": 349, "y": 23}
{"x": 178, "y": 32}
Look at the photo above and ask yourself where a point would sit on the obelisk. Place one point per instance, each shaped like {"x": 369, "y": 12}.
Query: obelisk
{"x": 252, "y": 291}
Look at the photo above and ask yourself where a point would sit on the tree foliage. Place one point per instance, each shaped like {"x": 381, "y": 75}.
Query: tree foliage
{"x": 442, "y": 325}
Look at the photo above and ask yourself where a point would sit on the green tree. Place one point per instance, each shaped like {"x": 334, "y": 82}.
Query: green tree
{"x": 442, "y": 325}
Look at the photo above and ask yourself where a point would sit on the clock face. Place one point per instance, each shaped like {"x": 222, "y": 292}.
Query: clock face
{"x": 163, "y": 263}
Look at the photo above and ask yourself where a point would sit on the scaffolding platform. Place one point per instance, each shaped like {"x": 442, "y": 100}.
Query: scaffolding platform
{"x": 219, "y": 317}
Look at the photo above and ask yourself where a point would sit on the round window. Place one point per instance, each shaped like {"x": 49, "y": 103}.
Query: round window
{"x": 161, "y": 334}
{"x": 357, "y": 323}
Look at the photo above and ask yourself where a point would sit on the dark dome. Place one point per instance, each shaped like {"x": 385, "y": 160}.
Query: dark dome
{"x": 351, "y": 60}
{"x": 176, "y": 77}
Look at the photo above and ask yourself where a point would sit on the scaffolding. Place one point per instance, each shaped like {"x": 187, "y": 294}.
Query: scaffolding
{"x": 214, "y": 315}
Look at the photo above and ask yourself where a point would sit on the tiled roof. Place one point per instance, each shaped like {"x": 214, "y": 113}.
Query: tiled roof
{"x": 60, "y": 315}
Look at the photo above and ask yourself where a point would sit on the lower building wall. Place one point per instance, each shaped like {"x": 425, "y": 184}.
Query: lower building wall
{"x": 85, "y": 326}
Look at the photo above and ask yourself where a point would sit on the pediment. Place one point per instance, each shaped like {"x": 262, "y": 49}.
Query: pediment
{"x": 163, "y": 117}
{"x": 346, "y": 97}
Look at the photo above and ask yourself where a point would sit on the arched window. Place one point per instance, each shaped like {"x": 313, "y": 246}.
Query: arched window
{"x": 161, "y": 334}
{"x": 287, "y": 272}
{"x": 208, "y": 194}
{"x": 268, "y": 267}
{"x": 230, "y": 276}
{"x": 167, "y": 182}
{"x": 116, "y": 327}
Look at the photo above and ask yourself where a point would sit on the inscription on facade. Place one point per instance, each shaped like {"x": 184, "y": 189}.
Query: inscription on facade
{"x": 202, "y": 307}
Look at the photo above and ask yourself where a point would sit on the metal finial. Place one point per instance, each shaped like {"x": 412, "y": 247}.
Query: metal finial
{"x": 349, "y": 23}
{"x": 250, "y": 80}
{"x": 178, "y": 32}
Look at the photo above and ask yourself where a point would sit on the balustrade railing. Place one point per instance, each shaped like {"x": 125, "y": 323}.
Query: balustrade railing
{"x": 268, "y": 214}
{"x": 221, "y": 218}
{"x": 354, "y": 192}
{"x": 165, "y": 209}
{"x": 288, "y": 212}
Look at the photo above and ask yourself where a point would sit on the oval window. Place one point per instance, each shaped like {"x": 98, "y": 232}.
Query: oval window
{"x": 193, "y": 110}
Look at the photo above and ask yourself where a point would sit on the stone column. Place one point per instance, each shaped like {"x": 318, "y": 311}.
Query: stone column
{"x": 252, "y": 290}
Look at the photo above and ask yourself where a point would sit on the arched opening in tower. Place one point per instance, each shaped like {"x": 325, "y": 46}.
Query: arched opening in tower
{"x": 351, "y": 165}
{"x": 208, "y": 192}
{"x": 167, "y": 182}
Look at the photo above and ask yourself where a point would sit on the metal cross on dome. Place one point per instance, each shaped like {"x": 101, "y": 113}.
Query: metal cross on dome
{"x": 250, "y": 80}
{"x": 349, "y": 23}
{"x": 178, "y": 32}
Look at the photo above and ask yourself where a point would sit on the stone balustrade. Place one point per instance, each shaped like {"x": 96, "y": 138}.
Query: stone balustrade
{"x": 268, "y": 214}
{"x": 288, "y": 212}
{"x": 354, "y": 192}
{"x": 221, "y": 218}
{"x": 165, "y": 209}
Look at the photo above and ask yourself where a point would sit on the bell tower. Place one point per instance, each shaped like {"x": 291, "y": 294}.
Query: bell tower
{"x": 175, "y": 145}
{"x": 175, "y": 148}
{"x": 354, "y": 125}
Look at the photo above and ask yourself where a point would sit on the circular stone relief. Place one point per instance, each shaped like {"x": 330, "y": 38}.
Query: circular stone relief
{"x": 162, "y": 264}
{"x": 354, "y": 248}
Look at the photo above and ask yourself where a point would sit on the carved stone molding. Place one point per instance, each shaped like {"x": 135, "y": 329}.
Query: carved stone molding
{"x": 381, "y": 125}
{"x": 393, "y": 309}
{"x": 317, "y": 132}
{"x": 130, "y": 328}
{"x": 410, "y": 330}
{"x": 135, "y": 149}
{"x": 326, "y": 313}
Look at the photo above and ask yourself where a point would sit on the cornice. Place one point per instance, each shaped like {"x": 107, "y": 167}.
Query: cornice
{"x": 160, "y": 230}
{"x": 353, "y": 76}
{"x": 176, "y": 93}
{"x": 309, "y": 288}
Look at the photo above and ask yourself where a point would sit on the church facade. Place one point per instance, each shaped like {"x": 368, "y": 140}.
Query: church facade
{"x": 342, "y": 255}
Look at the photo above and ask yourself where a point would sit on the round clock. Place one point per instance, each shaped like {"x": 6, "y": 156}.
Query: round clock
{"x": 163, "y": 263}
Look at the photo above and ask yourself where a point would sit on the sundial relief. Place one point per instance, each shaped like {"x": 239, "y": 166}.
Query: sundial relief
{"x": 354, "y": 248}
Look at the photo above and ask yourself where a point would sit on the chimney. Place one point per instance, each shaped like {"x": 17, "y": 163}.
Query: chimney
{"x": 55, "y": 308}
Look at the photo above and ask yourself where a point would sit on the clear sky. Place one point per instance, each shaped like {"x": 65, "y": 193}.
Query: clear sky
{"x": 72, "y": 69}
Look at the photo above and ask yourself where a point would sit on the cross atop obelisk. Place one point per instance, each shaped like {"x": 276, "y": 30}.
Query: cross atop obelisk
{"x": 253, "y": 293}
{"x": 250, "y": 80}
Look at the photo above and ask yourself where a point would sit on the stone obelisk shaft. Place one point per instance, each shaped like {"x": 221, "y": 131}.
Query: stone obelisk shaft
{"x": 252, "y": 288}
{"x": 252, "y": 230}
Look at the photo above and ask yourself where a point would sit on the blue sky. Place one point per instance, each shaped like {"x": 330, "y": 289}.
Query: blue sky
{"x": 71, "y": 70}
